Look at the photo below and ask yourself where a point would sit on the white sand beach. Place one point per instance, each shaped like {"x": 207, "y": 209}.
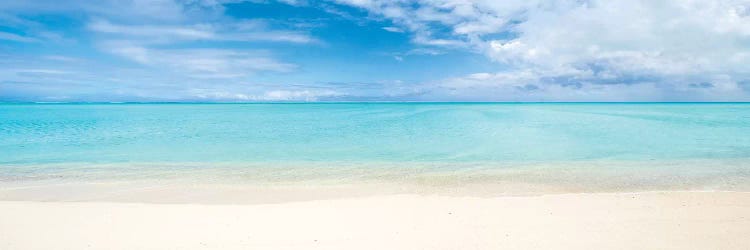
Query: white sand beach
{"x": 374, "y": 124}
{"x": 652, "y": 220}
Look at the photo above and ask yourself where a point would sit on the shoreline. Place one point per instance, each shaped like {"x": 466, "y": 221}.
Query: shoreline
{"x": 650, "y": 220}
{"x": 257, "y": 183}
{"x": 148, "y": 192}
{"x": 696, "y": 204}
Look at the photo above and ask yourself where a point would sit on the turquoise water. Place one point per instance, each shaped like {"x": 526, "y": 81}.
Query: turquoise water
{"x": 46, "y": 133}
{"x": 443, "y": 135}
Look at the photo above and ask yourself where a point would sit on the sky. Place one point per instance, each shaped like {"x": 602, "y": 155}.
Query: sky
{"x": 374, "y": 50}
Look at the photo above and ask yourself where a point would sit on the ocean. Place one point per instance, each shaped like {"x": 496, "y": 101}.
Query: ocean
{"x": 579, "y": 146}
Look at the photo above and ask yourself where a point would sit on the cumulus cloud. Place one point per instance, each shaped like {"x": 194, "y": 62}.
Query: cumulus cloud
{"x": 538, "y": 50}
{"x": 580, "y": 47}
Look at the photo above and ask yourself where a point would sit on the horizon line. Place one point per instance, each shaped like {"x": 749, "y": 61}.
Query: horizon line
{"x": 374, "y": 102}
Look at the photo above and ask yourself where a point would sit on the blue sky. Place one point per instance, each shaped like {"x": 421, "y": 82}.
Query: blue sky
{"x": 374, "y": 50}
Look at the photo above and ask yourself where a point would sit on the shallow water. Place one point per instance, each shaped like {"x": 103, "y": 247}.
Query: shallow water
{"x": 648, "y": 145}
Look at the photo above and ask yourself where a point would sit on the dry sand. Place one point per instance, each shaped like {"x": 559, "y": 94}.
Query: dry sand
{"x": 656, "y": 220}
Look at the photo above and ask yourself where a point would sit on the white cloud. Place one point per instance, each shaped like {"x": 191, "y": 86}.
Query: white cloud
{"x": 33, "y": 31}
{"x": 294, "y": 2}
{"x": 196, "y": 32}
{"x": 416, "y": 18}
{"x": 542, "y": 49}
{"x": 277, "y": 95}
{"x": 393, "y": 29}
{"x": 427, "y": 40}
{"x": 17, "y": 38}
{"x": 42, "y": 71}
{"x": 590, "y": 45}
{"x": 62, "y": 58}
{"x": 242, "y": 31}
{"x": 145, "y": 44}
{"x": 200, "y": 63}
{"x": 298, "y": 95}
{"x": 135, "y": 10}
{"x": 424, "y": 51}
{"x": 179, "y": 50}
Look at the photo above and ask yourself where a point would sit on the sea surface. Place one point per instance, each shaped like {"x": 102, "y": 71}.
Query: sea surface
{"x": 629, "y": 146}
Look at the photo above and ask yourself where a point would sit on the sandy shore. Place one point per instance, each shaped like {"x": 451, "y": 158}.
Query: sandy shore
{"x": 657, "y": 220}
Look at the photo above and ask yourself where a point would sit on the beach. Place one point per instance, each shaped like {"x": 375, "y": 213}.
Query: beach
{"x": 374, "y": 124}
{"x": 375, "y": 176}
{"x": 649, "y": 220}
